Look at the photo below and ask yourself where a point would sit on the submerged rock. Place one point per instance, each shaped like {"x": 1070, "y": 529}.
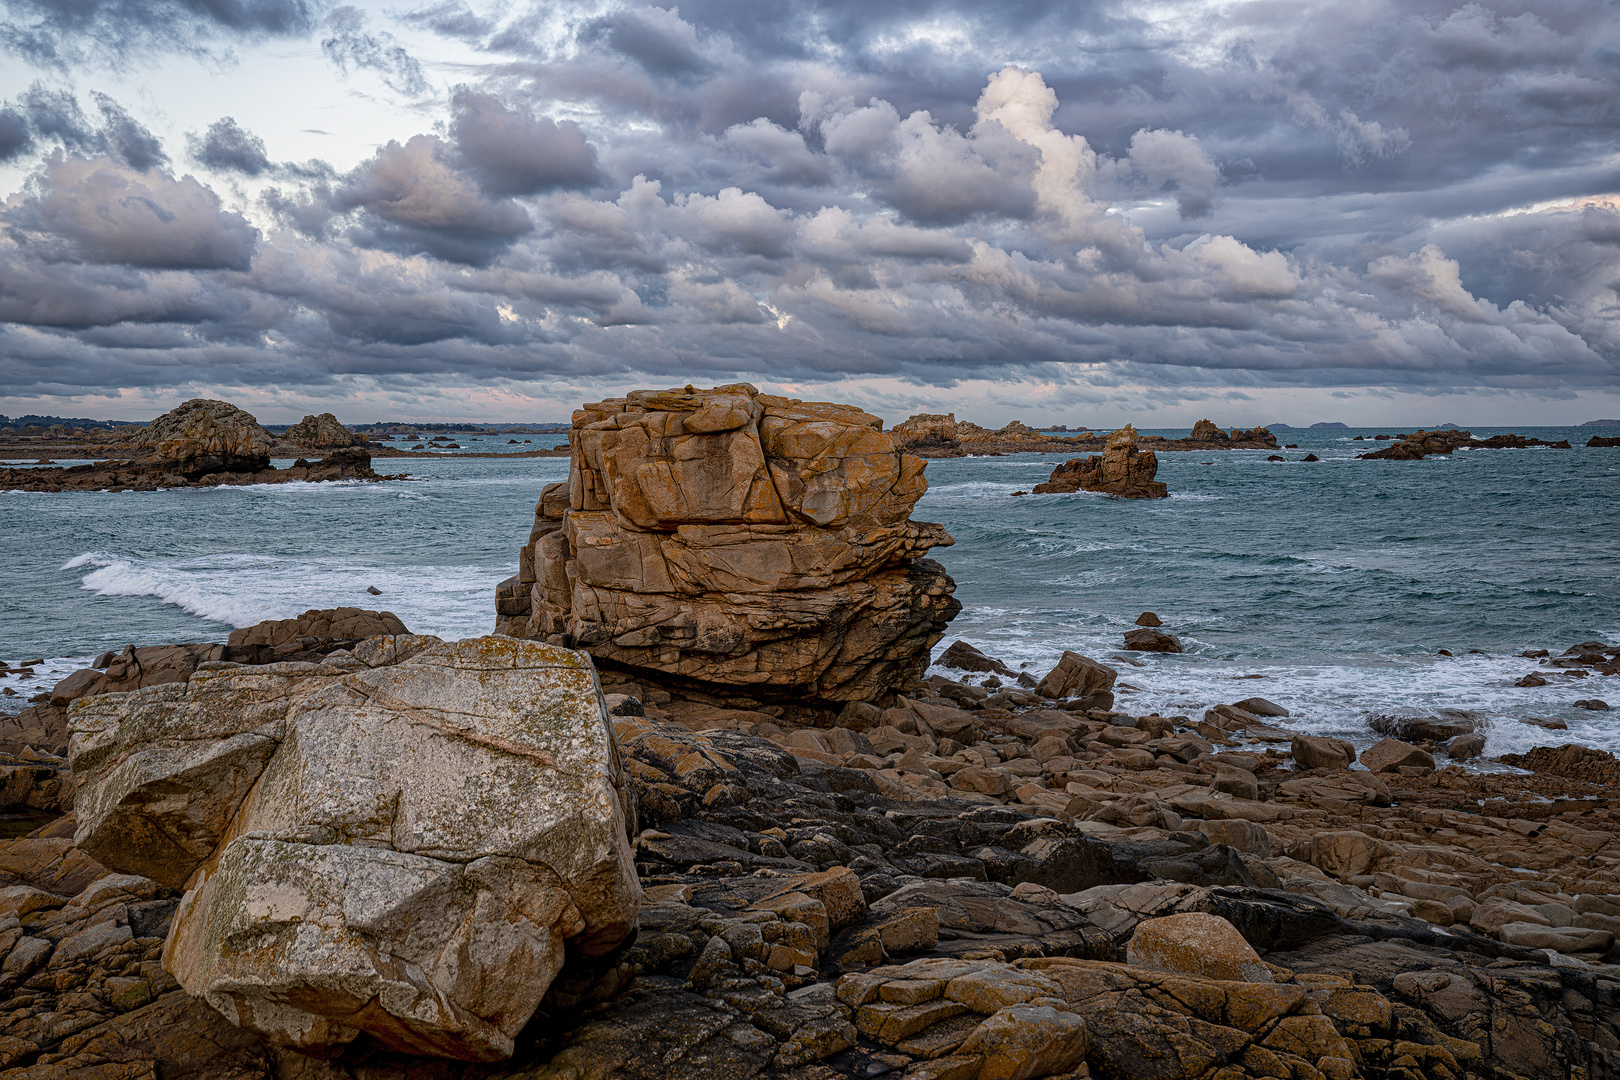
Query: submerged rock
{"x": 400, "y": 845}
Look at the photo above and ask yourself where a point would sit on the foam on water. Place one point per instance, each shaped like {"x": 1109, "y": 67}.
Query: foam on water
{"x": 1337, "y": 582}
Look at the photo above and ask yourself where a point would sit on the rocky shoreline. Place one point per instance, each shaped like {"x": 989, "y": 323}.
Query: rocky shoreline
{"x": 696, "y": 809}
{"x": 976, "y": 880}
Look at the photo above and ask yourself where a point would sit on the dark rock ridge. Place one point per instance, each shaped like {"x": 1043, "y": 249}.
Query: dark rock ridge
{"x": 1421, "y": 444}
{"x": 736, "y": 542}
{"x": 933, "y": 435}
{"x": 202, "y": 443}
{"x": 1122, "y": 470}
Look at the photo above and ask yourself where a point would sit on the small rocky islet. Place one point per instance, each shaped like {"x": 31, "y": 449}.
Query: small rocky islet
{"x": 208, "y": 443}
{"x": 696, "y": 809}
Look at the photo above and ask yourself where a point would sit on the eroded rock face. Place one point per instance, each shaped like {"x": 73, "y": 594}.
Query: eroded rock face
{"x": 321, "y": 432}
{"x": 205, "y": 436}
{"x": 1122, "y": 470}
{"x": 400, "y": 842}
{"x": 738, "y": 541}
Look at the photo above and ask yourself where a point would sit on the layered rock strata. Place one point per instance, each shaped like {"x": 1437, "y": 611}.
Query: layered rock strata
{"x": 1122, "y": 470}
{"x": 734, "y": 540}
{"x": 399, "y": 842}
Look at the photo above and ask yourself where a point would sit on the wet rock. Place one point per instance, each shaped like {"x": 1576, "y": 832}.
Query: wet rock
{"x": 1465, "y": 747}
{"x": 964, "y": 657}
{"x": 1081, "y": 677}
{"x": 1392, "y": 755}
{"x": 1147, "y": 618}
{"x": 1146, "y": 639}
{"x": 1320, "y": 752}
{"x": 1594, "y": 704}
{"x": 1424, "y": 726}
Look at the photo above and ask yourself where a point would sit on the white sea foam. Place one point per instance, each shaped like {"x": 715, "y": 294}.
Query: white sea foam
{"x": 240, "y": 590}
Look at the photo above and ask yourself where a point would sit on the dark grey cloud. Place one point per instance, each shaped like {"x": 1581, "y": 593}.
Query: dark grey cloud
{"x": 1417, "y": 197}
{"x": 452, "y": 19}
{"x": 227, "y": 147}
{"x": 512, "y": 152}
{"x": 55, "y": 117}
{"x": 108, "y": 32}
{"x": 14, "y": 134}
{"x": 127, "y": 137}
{"x": 349, "y": 44}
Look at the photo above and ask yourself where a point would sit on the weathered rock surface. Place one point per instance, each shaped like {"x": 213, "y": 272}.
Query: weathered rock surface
{"x": 204, "y": 436}
{"x": 736, "y": 541}
{"x": 399, "y": 842}
{"x": 1147, "y": 639}
{"x": 311, "y": 635}
{"x": 1122, "y": 470}
{"x": 321, "y": 432}
{"x": 929, "y": 435}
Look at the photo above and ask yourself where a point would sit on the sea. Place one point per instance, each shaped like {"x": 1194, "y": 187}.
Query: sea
{"x": 1329, "y": 587}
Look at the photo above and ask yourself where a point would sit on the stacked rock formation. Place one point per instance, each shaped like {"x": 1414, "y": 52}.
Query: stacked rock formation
{"x": 736, "y": 541}
{"x": 1122, "y": 471}
{"x": 400, "y": 842}
{"x": 204, "y": 436}
{"x": 321, "y": 432}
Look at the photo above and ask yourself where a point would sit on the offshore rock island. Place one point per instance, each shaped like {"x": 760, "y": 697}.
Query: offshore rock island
{"x": 206, "y": 443}
{"x": 697, "y": 809}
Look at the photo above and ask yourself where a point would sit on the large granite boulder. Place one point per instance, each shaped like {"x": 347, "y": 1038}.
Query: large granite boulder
{"x": 205, "y": 436}
{"x": 401, "y": 841}
{"x": 1122, "y": 470}
{"x": 736, "y": 541}
{"x": 321, "y": 432}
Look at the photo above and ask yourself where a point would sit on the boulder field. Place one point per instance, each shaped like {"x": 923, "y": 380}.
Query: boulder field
{"x": 737, "y": 542}
{"x": 475, "y": 860}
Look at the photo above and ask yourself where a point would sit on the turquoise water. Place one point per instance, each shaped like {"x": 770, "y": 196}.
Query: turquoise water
{"x": 1336, "y": 580}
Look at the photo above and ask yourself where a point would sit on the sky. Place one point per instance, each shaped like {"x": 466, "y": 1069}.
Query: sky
{"x": 1082, "y": 213}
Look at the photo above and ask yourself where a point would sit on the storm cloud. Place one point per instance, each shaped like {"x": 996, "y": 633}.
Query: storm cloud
{"x": 1417, "y": 197}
